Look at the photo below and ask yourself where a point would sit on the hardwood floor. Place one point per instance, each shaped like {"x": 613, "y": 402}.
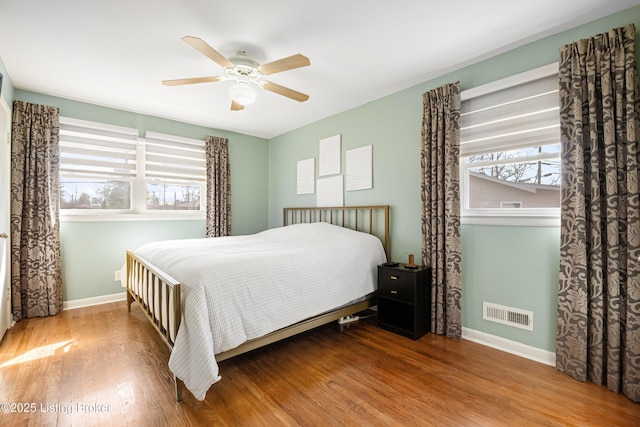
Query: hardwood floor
{"x": 102, "y": 366}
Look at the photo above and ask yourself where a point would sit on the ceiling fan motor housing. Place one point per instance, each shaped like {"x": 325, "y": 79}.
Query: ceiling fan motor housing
{"x": 245, "y": 69}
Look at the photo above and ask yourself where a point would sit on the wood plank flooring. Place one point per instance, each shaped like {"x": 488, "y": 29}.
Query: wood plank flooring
{"x": 101, "y": 366}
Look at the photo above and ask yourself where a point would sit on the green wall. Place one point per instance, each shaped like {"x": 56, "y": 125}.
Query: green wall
{"x": 516, "y": 267}
{"x": 513, "y": 266}
{"x": 93, "y": 250}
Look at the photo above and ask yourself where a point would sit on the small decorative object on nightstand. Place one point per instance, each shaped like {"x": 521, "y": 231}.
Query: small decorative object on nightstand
{"x": 404, "y": 299}
{"x": 410, "y": 264}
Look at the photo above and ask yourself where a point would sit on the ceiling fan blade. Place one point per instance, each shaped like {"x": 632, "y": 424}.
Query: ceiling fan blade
{"x": 236, "y": 106}
{"x": 285, "y": 91}
{"x": 190, "y": 81}
{"x": 284, "y": 64}
{"x": 202, "y": 47}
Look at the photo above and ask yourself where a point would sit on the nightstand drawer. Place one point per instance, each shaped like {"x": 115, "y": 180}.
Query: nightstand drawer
{"x": 396, "y": 284}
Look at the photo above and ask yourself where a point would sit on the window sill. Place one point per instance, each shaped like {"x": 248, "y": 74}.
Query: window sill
{"x": 511, "y": 220}
{"x": 114, "y": 217}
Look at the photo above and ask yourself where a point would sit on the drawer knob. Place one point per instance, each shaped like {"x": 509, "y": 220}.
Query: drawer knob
{"x": 394, "y": 292}
{"x": 394, "y": 277}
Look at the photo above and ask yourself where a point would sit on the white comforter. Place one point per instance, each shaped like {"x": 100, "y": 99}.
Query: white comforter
{"x": 243, "y": 287}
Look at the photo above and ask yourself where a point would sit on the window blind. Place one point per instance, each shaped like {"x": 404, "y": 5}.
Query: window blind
{"x": 174, "y": 159}
{"x": 96, "y": 150}
{"x": 521, "y": 116}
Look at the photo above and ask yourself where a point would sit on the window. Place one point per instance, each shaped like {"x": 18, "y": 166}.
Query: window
{"x": 510, "y": 150}
{"x": 98, "y": 164}
{"x": 109, "y": 170}
{"x": 175, "y": 172}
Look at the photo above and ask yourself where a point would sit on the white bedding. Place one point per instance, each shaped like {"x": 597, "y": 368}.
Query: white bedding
{"x": 239, "y": 288}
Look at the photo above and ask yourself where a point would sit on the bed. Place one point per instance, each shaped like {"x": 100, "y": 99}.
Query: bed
{"x": 212, "y": 299}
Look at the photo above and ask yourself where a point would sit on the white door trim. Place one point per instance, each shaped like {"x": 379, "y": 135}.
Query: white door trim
{"x": 5, "y": 193}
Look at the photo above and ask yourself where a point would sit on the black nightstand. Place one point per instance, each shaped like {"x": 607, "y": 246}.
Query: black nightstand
{"x": 404, "y": 300}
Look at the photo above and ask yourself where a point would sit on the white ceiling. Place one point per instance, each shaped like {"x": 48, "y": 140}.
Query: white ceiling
{"x": 115, "y": 53}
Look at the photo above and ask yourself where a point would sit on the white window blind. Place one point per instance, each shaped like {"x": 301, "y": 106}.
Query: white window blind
{"x": 511, "y": 118}
{"x": 96, "y": 150}
{"x": 174, "y": 159}
{"x": 110, "y": 169}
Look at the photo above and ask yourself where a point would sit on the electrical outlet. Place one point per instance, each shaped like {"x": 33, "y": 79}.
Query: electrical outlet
{"x": 116, "y": 276}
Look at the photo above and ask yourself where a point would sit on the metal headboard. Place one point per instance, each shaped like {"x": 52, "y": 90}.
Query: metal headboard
{"x": 368, "y": 219}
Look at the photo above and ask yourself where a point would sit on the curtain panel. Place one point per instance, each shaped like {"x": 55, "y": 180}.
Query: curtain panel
{"x": 598, "y": 324}
{"x": 218, "y": 222}
{"x": 36, "y": 278}
{"x": 440, "y": 193}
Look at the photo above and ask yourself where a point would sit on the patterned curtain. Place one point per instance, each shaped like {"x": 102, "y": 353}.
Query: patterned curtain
{"x": 441, "y": 238}
{"x": 36, "y": 278}
{"x": 218, "y": 187}
{"x": 598, "y": 329}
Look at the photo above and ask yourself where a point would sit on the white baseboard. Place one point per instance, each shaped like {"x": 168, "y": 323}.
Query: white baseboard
{"x": 513, "y": 347}
{"x": 87, "y": 302}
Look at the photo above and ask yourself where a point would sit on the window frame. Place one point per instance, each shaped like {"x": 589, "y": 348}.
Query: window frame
{"x": 504, "y": 216}
{"x": 138, "y": 211}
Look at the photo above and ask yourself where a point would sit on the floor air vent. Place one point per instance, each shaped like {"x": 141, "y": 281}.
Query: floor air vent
{"x": 515, "y": 317}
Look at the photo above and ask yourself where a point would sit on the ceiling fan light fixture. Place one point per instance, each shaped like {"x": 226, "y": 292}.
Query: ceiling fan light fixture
{"x": 242, "y": 93}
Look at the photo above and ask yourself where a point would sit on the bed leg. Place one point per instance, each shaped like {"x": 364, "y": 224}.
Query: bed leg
{"x": 179, "y": 385}
{"x": 129, "y": 300}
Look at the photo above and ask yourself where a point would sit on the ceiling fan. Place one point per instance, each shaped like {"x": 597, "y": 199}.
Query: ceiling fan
{"x": 246, "y": 73}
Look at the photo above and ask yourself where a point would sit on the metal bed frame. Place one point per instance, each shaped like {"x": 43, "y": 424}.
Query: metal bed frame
{"x": 158, "y": 294}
